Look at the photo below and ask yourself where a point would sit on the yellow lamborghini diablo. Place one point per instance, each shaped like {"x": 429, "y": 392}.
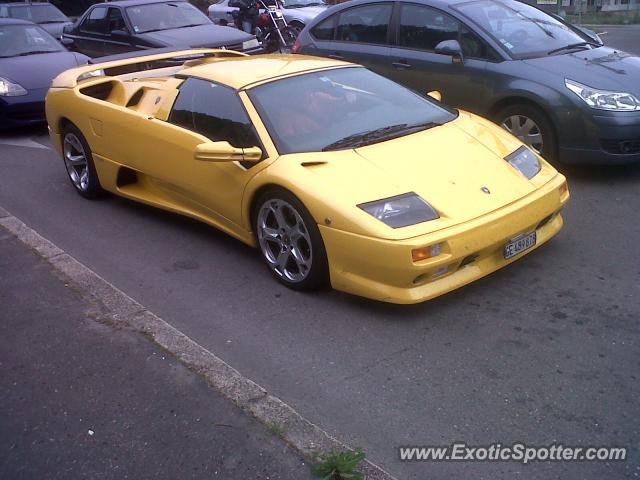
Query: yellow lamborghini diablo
{"x": 336, "y": 174}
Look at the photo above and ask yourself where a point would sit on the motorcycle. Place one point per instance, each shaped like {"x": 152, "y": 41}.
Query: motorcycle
{"x": 266, "y": 21}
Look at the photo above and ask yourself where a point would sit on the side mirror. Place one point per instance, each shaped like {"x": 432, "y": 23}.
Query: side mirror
{"x": 225, "y": 152}
{"x": 68, "y": 28}
{"x": 436, "y": 95}
{"x": 451, "y": 48}
{"x": 120, "y": 35}
{"x": 67, "y": 42}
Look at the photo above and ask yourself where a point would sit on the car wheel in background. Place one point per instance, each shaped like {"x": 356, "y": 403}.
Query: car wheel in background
{"x": 79, "y": 163}
{"x": 290, "y": 241}
{"x": 531, "y": 126}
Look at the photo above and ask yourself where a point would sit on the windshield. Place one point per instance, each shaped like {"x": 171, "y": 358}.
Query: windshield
{"x": 301, "y": 3}
{"x": 18, "y": 40}
{"x": 164, "y": 16}
{"x": 523, "y": 30}
{"x": 327, "y": 110}
{"x": 38, "y": 13}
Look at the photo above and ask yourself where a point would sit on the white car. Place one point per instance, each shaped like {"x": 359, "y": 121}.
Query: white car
{"x": 297, "y": 13}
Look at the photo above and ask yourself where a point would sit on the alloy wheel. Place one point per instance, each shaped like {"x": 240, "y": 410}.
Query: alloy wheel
{"x": 284, "y": 240}
{"x": 75, "y": 160}
{"x": 526, "y": 130}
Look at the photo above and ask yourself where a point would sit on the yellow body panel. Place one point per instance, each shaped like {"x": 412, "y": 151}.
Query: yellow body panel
{"x": 141, "y": 156}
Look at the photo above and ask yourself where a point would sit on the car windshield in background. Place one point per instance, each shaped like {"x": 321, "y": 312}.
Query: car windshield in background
{"x": 16, "y": 40}
{"x": 523, "y": 30}
{"x": 301, "y": 3}
{"x": 342, "y": 108}
{"x": 164, "y": 16}
{"x": 44, "y": 13}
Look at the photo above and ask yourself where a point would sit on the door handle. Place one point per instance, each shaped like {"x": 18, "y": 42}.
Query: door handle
{"x": 336, "y": 56}
{"x": 401, "y": 65}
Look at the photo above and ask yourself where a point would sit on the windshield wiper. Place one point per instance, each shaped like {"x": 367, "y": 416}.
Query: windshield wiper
{"x": 572, "y": 46}
{"x": 378, "y": 135}
{"x": 52, "y": 21}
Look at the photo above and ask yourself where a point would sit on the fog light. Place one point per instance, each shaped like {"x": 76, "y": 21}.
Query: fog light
{"x": 422, "y": 253}
{"x": 441, "y": 271}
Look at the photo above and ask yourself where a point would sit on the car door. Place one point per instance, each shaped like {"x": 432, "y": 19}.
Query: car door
{"x": 415, "y": 63}
{"x": 358, "y": 34}
{"x": 203, "y": 112}
{"x": 90, "y": 35}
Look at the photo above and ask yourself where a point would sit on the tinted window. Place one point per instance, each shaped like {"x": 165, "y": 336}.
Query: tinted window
{"x": 96, "y": 22}
{"x": 471, "y": 45}
{"x": 214, "y": 111}
{"x": 424, "y": 28}
{"x": 115, "y": 20}
{"x": 35, "y": 13}
{"x": 367, "y": 24}
{"x": 324, "y": 30}
{"x": 339, "y": 103}
{"x": 164, "y": 16}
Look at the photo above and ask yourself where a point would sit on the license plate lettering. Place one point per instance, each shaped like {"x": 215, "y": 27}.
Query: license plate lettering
{"x": 520, "y": 244}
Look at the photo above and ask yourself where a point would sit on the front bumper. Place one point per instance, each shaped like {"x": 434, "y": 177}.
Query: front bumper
{"x": 610, "y": 138}
{"x": 383, "y": 269}
{"x": 22, "y": 111}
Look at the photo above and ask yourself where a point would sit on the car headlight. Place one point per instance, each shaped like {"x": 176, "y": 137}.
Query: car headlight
{"x": 525, "y": 161}
{"x": 603, "y": 99}
{"x": 10, "y": 89}
{"x": 249, "y": 44}
{"x": 401, "y": 211}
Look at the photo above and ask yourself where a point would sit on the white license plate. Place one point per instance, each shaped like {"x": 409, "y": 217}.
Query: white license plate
{"x": 519, "y": 244}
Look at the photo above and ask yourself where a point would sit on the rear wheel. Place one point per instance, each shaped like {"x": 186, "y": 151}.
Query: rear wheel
{"x": 290, "y": 241}
{"x": 79, "y": 163}
{"x": 531, "y": 127}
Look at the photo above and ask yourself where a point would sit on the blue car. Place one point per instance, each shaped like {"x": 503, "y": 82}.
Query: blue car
{"x": 29, "y": 59}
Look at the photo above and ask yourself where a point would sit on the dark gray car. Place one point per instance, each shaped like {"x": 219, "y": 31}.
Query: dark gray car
{"x": 44, "y": 14}
{"x": 551, "y": 85}
{"x": 128, "y": 25}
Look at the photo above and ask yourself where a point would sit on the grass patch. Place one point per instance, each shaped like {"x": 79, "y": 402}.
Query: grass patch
{"x": 339, "y": 465}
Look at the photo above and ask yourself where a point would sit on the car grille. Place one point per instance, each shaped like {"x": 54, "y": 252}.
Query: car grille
{"x": 621, "y": 147}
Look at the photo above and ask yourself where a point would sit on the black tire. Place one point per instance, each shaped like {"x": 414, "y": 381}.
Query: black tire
{"x": 309, "y": 248}
{"x": 73, "y": 142}
{"x": 289, "y": 34}
{"x": 549, "y": 147}
{"x": 297, "y": 27}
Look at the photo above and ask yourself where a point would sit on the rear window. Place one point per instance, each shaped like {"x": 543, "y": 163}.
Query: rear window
{"x": 365, "y": 24}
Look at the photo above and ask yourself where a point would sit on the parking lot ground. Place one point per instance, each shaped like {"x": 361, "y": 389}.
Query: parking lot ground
{"x": 81, "y": 399}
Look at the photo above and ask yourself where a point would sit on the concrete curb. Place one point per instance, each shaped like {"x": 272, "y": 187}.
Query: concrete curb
{"x": 114, "y": 306}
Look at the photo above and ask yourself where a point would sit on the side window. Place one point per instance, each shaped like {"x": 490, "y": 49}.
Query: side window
{"x": 471, "y": 45}
{"x": 214, "y": 111}
{"x": 424, "y": 27}
{"x": 366, "y": 24}
{"x": 324, "y": 30}
{"x": 96, "y": 22}
{"x": 115, "y": 20}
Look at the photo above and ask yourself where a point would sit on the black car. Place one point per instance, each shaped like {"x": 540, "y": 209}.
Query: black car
{"x": 29, "y": 59}
{"x": 553, "y": 86}
{"x": 44, "y": 14}
{"x": 123, "y": 26}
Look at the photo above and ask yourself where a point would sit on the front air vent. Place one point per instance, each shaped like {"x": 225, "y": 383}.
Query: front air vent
{"x": 135, "y": 98}
{"x": 101, "y": 91}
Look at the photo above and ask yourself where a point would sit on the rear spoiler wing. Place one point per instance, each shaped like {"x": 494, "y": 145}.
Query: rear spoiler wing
{"x": 137, "y": 62}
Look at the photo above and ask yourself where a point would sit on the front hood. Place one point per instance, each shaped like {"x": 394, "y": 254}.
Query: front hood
{"x": 200, "y": 36}
{"x": 603, "y": 68}
{"x": 448, "y": 166}
{"x": 37, "y": 71}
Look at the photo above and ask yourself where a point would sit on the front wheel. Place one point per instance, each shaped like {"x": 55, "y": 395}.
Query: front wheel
{"x": 289, "y": 36}
{"x": 531, "y": 127}
{"x": 290, "y": 241}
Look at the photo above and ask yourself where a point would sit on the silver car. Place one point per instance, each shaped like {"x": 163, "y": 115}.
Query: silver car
{"x": 297, "y": 13}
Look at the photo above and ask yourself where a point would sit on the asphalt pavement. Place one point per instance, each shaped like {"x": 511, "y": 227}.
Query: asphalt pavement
{"x": 545, "y": 350}
{"x": 81, "y": 399}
